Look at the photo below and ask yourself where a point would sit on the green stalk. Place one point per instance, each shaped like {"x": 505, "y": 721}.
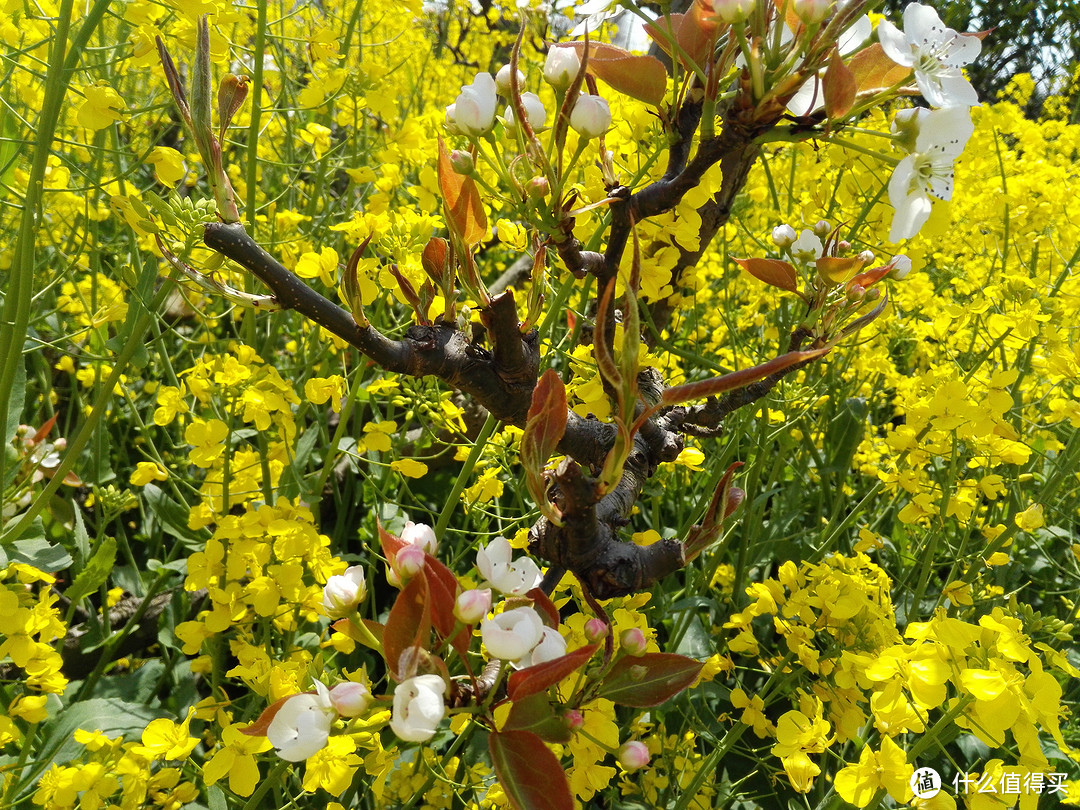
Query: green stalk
{"x": 463, "y": 476}
{"x": 16, "y": 315}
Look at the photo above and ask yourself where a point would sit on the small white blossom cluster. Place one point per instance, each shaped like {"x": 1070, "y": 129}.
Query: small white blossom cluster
{"x": 473, "y": 112}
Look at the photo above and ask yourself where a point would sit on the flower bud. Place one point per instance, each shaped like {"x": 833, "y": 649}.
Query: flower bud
{"x": 502, "y": 79}
{"x": 872, "y": 295}
{"x": 812, "y": 12}
{"x": 856, "y": 292}
{"x": 867, "y": 257}
{"x": 561, "y": 67}
{"x": 409, "y": 561}
{"x": 537, "y": 188}
{"x": 462, "y": 162}
{"x": 591, "y": 116}
{"x": 901, "y": 266}
{"x": 473, "y": 111}
{"x": 534, "y": 112}
{"x": 733, "y": 11}
{"x": 822, "y": 227}
{"x": 350, "y": 699}
{"x": 574, "y": 719}
{"x": 633, "y": 755}
{"x": 342, "y": 593}
{"x": 843, "y": 246}
{"x": 633, "y": 641}
{"x": 595, "y": 629}
{"x": 473, "y": 605}
{"x": 420, "y": 534}
{"x": 783, "y": 236}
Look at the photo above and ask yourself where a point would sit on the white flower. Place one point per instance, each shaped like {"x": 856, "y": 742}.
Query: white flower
{"x": 936, "y": 54}
{"x": 551, "y": 646}
{"x": 343, "y": 592}
{"x": 301, "y": 727}
{"x": 783, "y": 236}
{"x": 731, "y": 11}
{"x": 534, "y": 112}
{"x": 591, "y": 116}
{"x": 513, "y": 633}
{"x": 493, "y": 563}
{"x": 420, "y": 534}
{"x": 928, "y": 170}
{"x": 502, "y": 79}
{"x": 473, "y": 111}
{"x": 419, "y": 707}
{"x": 807, "y": 248}
{"x": 901, "y": 266}
{"x": 813, "y": 11}
{"x": 561, "y": 67}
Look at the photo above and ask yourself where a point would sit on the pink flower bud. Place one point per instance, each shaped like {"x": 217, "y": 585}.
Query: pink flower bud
{"x": 856, "y": 292}
{"x": 472, "y": 606}
{"x": 342, "y": 593}
{"x": 574, "y": 719}
{"x": 350, "y": 699}
{"x": 537, "y": 188}
{"x": 462, "y": 162}
{"x": 633, "y": 641}
{"x": 595, "y": 629}
{"x": 633, "y": 755}
{"x": 822, "y": 227}
{"x": 409, "y": 561}
{"x": 420, "y": 534}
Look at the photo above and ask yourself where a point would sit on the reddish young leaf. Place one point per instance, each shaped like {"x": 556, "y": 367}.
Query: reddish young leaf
{"x": 736, "y": 379}
{"x": 43, "y": 431}
{"x": 649, "y": 680}
{"x": 641, "y": 77}
{"x": 391, "y": 543}
{"x": 871, "y": 277}
{"x": 693, "y": 32}
{"x": 840, "y": 86}
{"x": 543, "y": 604}
{"x": 720, "y": 507}
{"x": 464, "y": 210}
{"x": 544, "y": 428}
{"x": 539, "y": 677}
{"x": 772, "y": 271}
{"x": 529, "y": 773}
{"x": 434, "y": 257}
{"x": 535, "y": 714}
{"x": 409, "y": 622}
{"x": 874, "y": 71}
{"x": 443, "y": 587}
{"x": 262, "y": 722}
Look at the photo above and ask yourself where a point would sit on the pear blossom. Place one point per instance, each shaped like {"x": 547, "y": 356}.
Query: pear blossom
{"x": 534, "y": 112}
{"x": 493, "y": 563}
{"x": 472, "y": 605}
{"x": 561, "y": 67}
{"x": 473, "y": 111}
{"x": 343, "y": 592}
{"x": 591, "y": 116}
{"x": 301, "y": 727}
{"x": 633, "y": 755}
{"x": 901, "y": 266}
{"x": 550, "y": 646}
{"x": 350, "y": 699}
{"x": 419, "y": 707}
{"x": 807, "y": 248}
{"x": 935, "y": 53}
{"x": 502, "y": 79}
{"x": 512, "y": 634}
{"x": 783, "y": 236}
{"x": 420, "y": 534}
{"x": 928, "y": 170}
{"x": 733, "y": 11}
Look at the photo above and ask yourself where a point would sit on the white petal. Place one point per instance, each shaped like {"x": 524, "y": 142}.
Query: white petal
{"x": 895, "y": 44}
{"x": 923, "y": 26}
{"x": 856, "y": 35}
{"x": 963, "y": 50}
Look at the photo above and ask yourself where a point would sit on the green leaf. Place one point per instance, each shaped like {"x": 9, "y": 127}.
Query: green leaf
{"x": 40, "y": 553}
{"x": 172, "y": 516}
{"x": 529, "y": 773}
{"x": 15, "y": 408}
{"x": 96, "y": 572}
